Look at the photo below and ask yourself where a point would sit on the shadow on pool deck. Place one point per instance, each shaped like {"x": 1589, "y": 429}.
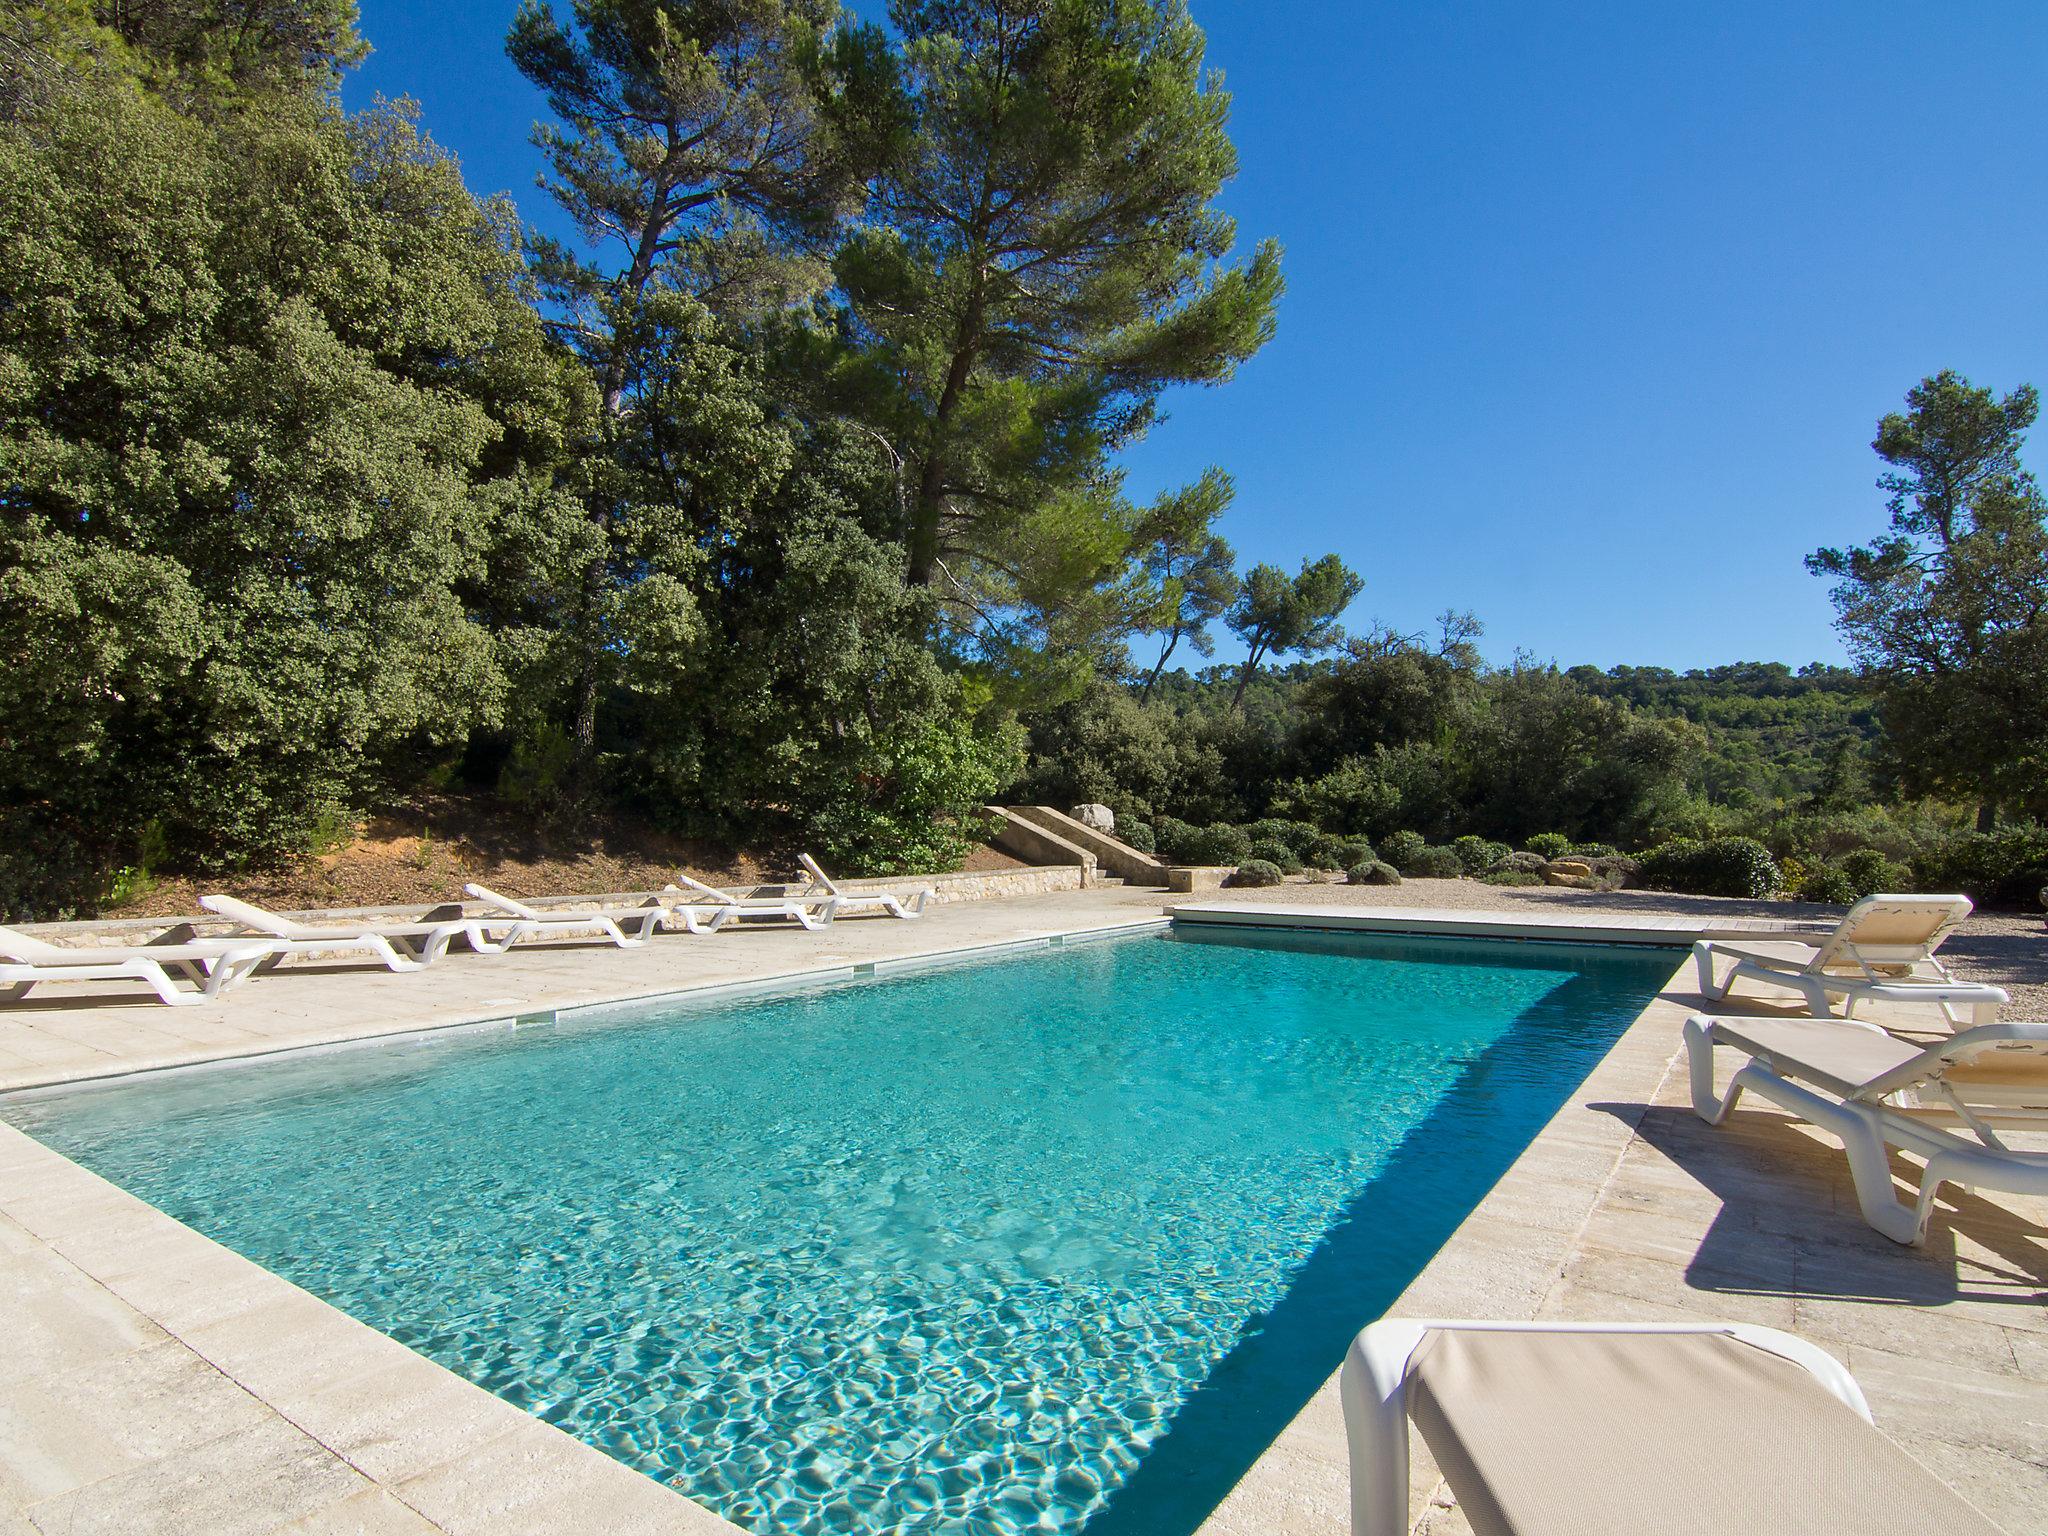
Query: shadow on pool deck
{"x": 1788, "y": 1223}
{"x": 1442, "y": 1168}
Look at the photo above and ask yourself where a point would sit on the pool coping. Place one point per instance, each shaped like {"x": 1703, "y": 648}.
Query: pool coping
{"x": 379, "y": 1427}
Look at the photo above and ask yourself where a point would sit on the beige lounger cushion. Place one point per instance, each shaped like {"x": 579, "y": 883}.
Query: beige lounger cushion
{"x": 1826, "y": 1053}
{"x": 1551, "y": 1434}
{"x": 1793, "y": 956}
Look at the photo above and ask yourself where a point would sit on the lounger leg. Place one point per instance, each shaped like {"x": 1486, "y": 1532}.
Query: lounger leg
{"x": 232, "y": 970}
{"x": 398, "y": 956}
{"x": 1703, "y": 962}
{"x": 1699, "y": 1050}
{"x": 158, "y": 980}
{"x": 15, "y": 991}
{"x": 1373, "y": 1387}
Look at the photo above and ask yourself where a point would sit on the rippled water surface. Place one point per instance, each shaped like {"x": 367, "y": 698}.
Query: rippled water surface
{"x": 1001, "y": 1247}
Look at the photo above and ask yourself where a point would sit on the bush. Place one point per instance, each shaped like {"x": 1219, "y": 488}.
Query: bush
{"x": 1352, "y": 852}
{"x": 1477, "y": 854}
{"x": 1548, "y": 845}
{"x": 1510, "y": 877}
{"x": 1722, "y": 866}
{"x": 1219, "y": 843}
{"x": 1137, "y": 835}
{"x": 2005, "y": 868}
{"x": 1326, "y": 851}
{"x": 1527, "y": 864}
{"x": 1434, "y": 863}
{"x": 1270, "y": 850}
{"x": 1822, "y": 882}
{"x": 1592, "y": 851}
{"x": 1297, "y": 836}
{"x": 1256, "y": 872}
{"x": 1373, "y": 872}
{"x": 1169, "y": 835}
{"x": 1868, "y": 872}
{"x": 1397, "y": 848}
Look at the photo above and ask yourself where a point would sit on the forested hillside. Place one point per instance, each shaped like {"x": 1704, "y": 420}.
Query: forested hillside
{"x": 785, "y": 506}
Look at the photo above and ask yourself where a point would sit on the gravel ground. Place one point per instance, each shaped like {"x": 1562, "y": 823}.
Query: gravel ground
{"x": 2007, "y": 949}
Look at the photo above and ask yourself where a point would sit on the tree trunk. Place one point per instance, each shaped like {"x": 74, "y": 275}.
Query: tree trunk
{"x": 1244, "y": 676}
{"x": 1987, "y": 815}
{"x": 1172, "y": 640}
{"x": 931, "y": 480}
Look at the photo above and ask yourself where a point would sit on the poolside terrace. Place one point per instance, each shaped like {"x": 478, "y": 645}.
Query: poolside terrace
{"x": 160, "y": 1382}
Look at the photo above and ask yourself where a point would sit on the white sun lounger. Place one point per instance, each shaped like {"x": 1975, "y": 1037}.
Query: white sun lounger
{"x": 1629, "y": 1429}
{"x": 614, "y": 923}
{"x": 1882, "y": 951}
{"x": 853, "y": 903}
{"x": 208, "y": 966}
{"x": 401, "y": 946}
{"x": 814, "y": 912}
{"x": 1872, "y": 1090}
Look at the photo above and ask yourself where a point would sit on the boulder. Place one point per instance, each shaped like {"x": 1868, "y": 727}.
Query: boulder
{"x": 1573, "y": 868}
{"x": 1527, "y": 863}
{"x": 1575, "y": 882}
{"x": 1097, "y": 818}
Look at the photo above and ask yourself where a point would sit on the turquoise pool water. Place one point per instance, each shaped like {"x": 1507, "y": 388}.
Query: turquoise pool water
{"x": 1002, "y": 1247}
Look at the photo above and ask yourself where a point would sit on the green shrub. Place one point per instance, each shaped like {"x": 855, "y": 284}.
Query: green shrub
{"x": 1397, "y": 848}
{"x": 1137, "y": 835}
{"x": 2006, "y": 868}
{"x": 1722, "y": 866}
{"x": 1510, "y": 877}
{"x": 1298, "y": 836}
{"x": 1433, "y": 862}
{"x": 1270, "y": 850}
{"x": 1592, "y": 851}
{"x": 1170, "y": 835}
{"x": 1548, "y": 845}
{"x": 1527, "y": 864}
{"x": 1478, "y": 854}
{"x": 1823, "y": 882}
{"x": 1868, "y": 872}
{"x": 1256, "y": 872}
{"x": 1353, "y": 851}
{"x": 1372, "y": 872}
{"x": 1218, "y": 843}
{"x": 1327, "y": 851}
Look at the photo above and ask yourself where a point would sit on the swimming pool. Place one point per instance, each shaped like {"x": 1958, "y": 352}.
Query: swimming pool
{"x": 1007, "y": 1246}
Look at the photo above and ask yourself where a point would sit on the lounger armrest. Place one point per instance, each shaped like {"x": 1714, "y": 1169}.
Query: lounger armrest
{"x": 1958, "y": 1049}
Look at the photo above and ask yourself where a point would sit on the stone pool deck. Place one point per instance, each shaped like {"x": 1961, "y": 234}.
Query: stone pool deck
{"x": 154, "y": 1381}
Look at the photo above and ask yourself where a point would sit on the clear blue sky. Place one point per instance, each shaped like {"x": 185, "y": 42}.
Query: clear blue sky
{"x": 1591, "y": 310}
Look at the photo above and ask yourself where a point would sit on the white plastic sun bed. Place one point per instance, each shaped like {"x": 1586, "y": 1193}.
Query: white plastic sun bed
{"x": 207, "y": 966}
{"x": 853, "y": 903}
{"x": 1872, "y": 1090}
{"x": 1882, "y": 951}
{"x": 813, "y": 912}
{"x": 626, "y": 926}
{"x": 401, "y": 946}
{"x": 1629, "y": 1429}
